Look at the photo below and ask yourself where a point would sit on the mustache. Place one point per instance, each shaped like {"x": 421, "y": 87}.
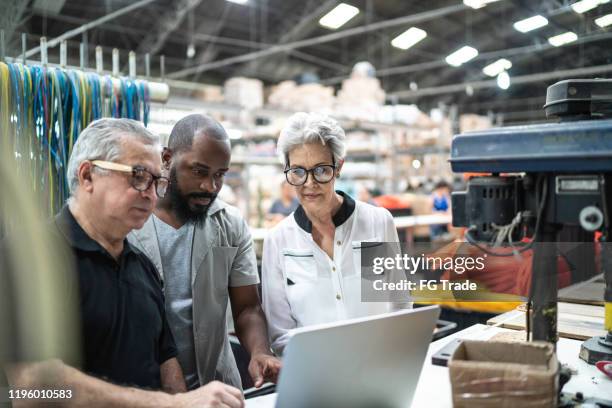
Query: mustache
{"x": 201, "y": 195}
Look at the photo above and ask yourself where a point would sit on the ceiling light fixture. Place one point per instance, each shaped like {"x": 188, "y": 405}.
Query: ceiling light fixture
{"x": 562, "y": 39}
{"x": 461, "y": 56}
{"x": 497, "y": 67}
{"x": 408, "y": 38}
{"x": 239, "y": 1}
{"x": 191, "y": 51}
{"x": 530, "y": 24}
{"x": 585, "y": 5}
{"x": 604, "y": 21}
{"x": 503, "y": 80}
{"x": 476, "y": 4}
{"x": 339, "y": 16}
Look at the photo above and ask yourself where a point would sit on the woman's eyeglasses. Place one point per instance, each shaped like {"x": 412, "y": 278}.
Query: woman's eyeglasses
{"x": 297, "y": 176}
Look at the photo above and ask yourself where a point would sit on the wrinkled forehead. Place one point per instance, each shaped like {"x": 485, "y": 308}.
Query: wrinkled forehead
{"x": 135, "y": 152}
{"x": 310, "y": 154}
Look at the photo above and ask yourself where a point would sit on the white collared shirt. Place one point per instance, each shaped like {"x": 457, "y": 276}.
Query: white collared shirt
{"x": 302, "y": 286}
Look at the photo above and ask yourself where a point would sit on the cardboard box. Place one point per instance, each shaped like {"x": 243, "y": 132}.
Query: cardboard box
{"x": 504, "y": 375}
{"x": 307, "y": 97}
{"x": 421, "y": 205}
{"x": 470, "y": 122}
{"x": 246, "y": 92}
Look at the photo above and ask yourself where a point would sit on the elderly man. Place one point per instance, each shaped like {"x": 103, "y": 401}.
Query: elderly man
{"x": 114, "y": 179}
{"x": 204, "y": 249}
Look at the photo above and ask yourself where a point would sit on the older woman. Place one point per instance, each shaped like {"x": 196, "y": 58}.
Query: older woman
{"x": 311, "y": 259}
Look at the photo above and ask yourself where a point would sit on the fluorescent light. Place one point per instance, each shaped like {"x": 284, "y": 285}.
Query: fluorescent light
{"x": 497, "y": 67}
{"x": 191, "y": 51}
{"x": 562, "y": 39}
{"x": 531, "y": 23}
{"x": 408, "y": 38}
{"x": 339, "y": 16}
{"x": 461, "y": 56}
{"x": 503, "y": 80}
{"x": 476, "y": 4}
{"x": 604, "y": 21}
{"x": 586, "y": 5}
{"x": 239, "y": 1}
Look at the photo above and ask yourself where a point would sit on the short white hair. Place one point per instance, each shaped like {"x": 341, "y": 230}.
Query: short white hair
{"x": 102, "y": 140}
{"x": 303, "y": 128}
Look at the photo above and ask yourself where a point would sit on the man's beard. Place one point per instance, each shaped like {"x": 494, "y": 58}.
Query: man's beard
{"x": 180, "y": 202}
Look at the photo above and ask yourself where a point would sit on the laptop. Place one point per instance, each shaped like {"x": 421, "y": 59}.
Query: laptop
{"x": 370, "y": 362}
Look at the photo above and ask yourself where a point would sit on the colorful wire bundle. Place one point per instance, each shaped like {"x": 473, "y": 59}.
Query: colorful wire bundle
{"x": 42, "y": 112}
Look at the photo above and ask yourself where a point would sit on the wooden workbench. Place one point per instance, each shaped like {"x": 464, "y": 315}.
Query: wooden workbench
{"x": 575, "y": 321}
{"x": 589, "y": 292}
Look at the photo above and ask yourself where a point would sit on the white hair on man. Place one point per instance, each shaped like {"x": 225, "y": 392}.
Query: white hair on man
{"x": 103, "y": 140}
{"x": 303, "y": 128}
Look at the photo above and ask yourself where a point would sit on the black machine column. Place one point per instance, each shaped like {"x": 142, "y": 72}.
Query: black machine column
{"x": 544, "y": 283}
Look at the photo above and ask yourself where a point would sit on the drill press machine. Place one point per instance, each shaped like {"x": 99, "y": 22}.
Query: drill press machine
{"x": 545, "y": 179}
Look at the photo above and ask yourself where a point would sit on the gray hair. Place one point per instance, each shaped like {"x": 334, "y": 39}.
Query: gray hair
{"x": 102, "y": 140}
{"x": 303, "y": 128}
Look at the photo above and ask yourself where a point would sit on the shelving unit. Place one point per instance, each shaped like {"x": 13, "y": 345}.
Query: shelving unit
{"x": 378, "y": 154}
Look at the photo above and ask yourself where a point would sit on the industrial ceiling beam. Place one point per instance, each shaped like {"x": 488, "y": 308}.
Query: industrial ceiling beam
{"x": 540, "y": 44}
{"x": 492, "y": 83}
{"x": 293, "y": 31}
{"x": 211, "y": 51}
{"x": 88, "y": 26}
{"x": 10, "y": 16}
{"x": 175, "y": 37}
{"x": 156, "y": 39}
{"x": 419, "y": 17}
{"x": 303, "y": 27}
{"x": 425, "y": 66}
{"x": 317, "y": 60}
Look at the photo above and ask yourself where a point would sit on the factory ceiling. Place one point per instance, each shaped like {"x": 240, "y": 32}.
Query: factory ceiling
{"x": 275, "y": 40}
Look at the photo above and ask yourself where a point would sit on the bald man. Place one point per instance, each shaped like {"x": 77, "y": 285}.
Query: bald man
{"x": 204, "y": 252}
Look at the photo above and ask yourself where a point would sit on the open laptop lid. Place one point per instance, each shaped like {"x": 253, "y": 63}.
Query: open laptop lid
{"x": 373, "y": 361}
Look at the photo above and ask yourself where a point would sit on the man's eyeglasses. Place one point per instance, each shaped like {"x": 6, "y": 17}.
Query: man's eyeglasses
{"x": 141, "y": 178}
{"x": 297, "y": 176}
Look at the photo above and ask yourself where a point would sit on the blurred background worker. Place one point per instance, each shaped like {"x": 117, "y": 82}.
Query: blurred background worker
{"x": 282, "y": 206}
{"x": 440, "y": 204}
{"x": 364, "y": 194}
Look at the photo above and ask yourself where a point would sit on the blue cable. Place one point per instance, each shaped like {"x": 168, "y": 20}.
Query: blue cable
{"x": 49, "y": 108}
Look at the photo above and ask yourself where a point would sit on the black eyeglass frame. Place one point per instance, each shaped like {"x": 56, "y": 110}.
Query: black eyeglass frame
{"x": 311, "y": 171}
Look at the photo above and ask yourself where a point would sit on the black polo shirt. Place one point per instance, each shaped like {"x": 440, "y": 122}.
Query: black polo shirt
{"x": 125, "y": 334}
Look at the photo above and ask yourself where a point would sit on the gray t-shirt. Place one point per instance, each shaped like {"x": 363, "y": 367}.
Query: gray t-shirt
{"x": 175, "y": 250}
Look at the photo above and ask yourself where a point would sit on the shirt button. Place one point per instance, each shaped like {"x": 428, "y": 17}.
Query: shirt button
{"x": 338, "y": 297}
{"x": 334, "y": 268}
{"x": 339, "y": 243}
